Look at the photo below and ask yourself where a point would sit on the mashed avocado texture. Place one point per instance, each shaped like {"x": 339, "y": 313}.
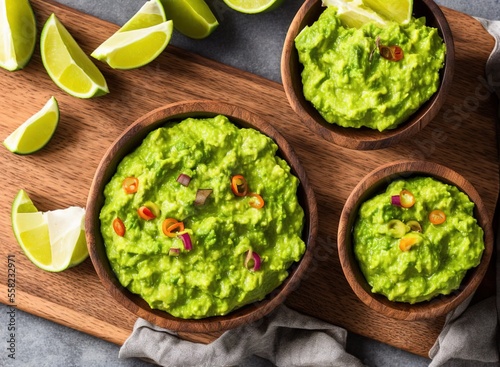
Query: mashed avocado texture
{"x": 440, "y": 254}
{"x": 350, "y": 84}
{"x": 211, "y": 278}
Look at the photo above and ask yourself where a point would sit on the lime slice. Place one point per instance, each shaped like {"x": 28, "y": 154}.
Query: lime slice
{"x": 192, "y": 18}
{"x": 35, "y": 132}
{"x": 136, "y": 48}
{"x": 399, "y": 11}
{"x": 139, "y": 41}
{"x": 66, "y": 63}
{"x": 150, "y": 14}
{"x": 17, "y": 33}
{"x": 253, "y": 6}
{"x": 354, "y": 14}
{"x": 54, "y": 240}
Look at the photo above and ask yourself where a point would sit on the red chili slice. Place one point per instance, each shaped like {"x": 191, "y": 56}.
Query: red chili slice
{"x": 239, "y": 185}
{"x": 130, "y": 185}
{"x": 437, "y": 217}
{"x": 407, "y": 199}
{"x": 119, "y": 227}
{"x": 145, "y": 213}
{"x": 171, "y": 227}
{"x": 391, "y": 53}
{"x": 256, "y": 200}
{"x": 406, "y": 243}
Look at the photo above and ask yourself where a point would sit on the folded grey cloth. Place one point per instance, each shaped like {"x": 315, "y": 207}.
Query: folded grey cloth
{"x": 285, "y": 338}
{"x": 470, "y": 335}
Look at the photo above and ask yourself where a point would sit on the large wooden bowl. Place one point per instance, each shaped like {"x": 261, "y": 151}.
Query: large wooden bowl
{"x": 129, "y": 140}
{"x": 373, "y": 184}
{"x": 362, "y": 138}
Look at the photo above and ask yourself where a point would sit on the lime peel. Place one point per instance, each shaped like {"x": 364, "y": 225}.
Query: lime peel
{"x": 36, "y": 132}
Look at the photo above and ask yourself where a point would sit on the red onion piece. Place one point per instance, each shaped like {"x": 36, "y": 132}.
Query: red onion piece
{"x": 174, "y": 251}
{"x": 184, "y": 179}
{"x": 186, "y": 239}
{"x": 256, "y": 260}
{"x": 201, "y": 196}
{"x": 396, "y": 200}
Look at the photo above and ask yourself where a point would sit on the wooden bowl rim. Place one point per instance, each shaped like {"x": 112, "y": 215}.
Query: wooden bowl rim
{"x": 364, "y": 138}
{"x": 132, "y": 136}
{"x": 376, "y": 181}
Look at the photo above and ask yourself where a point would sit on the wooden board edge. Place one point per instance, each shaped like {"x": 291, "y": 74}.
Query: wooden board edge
{"x": 64, "y": 316}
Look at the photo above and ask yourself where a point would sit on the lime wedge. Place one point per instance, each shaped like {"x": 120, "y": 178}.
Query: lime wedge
{"x": 136, "y": 48}
{"x": 150, "y": 14}
{"x": 354, "y": 14}
{"x": 35, "y": 132}
{"x": 253, "y": 6}
{"x": 54, "y": 240}
{"x": 17, "y": 33}
{"x": 66, "y": 63}
{"x": 192, "y": 18}
{"x": 139, "y": 41}
{"x": 399, "y": 11}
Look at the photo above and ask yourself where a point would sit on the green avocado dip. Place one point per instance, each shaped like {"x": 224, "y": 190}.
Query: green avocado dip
{"x": 350, "y": 84}
{"x": 414, "y": 252}
{"x": 205, "y": 244}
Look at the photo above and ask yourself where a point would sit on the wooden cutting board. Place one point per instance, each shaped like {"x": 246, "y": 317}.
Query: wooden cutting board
{"x": 463, "y": 137}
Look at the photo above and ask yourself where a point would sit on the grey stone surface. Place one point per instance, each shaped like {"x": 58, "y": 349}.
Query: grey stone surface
{"x": 249, "y": 42}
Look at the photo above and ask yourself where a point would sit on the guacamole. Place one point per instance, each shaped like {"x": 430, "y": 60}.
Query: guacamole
{"x": 407, "y": 252}
{"x": 193, "y": 172}
{"x": 348, "y": 81}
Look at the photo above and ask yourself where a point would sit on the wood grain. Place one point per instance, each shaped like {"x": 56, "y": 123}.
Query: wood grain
{"x": 462, "y": 137}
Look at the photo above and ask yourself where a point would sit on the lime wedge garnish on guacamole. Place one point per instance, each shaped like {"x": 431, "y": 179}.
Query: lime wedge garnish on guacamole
{"x": 399, "y": 11}
{"x": 354, "y": 14}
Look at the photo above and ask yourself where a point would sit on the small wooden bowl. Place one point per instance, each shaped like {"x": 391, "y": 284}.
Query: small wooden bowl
{"x": 130, "y": 139}
{"x": 362, "y": 138}
{"x": 376, "y": 182}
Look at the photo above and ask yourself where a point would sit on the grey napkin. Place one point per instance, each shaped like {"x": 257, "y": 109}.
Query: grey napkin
{"x": 285, "y": 338}
{"x": 470, "y": 335}
{"x": 288, "y": 338}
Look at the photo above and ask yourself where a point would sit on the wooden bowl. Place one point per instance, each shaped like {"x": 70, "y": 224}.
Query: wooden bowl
{"x": 376, "y": 182}
{"x": 362, "y": 138}
{"x": 130, "y": 139}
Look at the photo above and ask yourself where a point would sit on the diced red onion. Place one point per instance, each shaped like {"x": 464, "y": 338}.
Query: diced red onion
{"x": 184, "y": 179}
{"x": 186, "y": 239}
{"x": 396, "y": 200}
{"x": 174, "y": 251}
{"x": 251, "y": 255}
{"x": 201, "y": 196}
